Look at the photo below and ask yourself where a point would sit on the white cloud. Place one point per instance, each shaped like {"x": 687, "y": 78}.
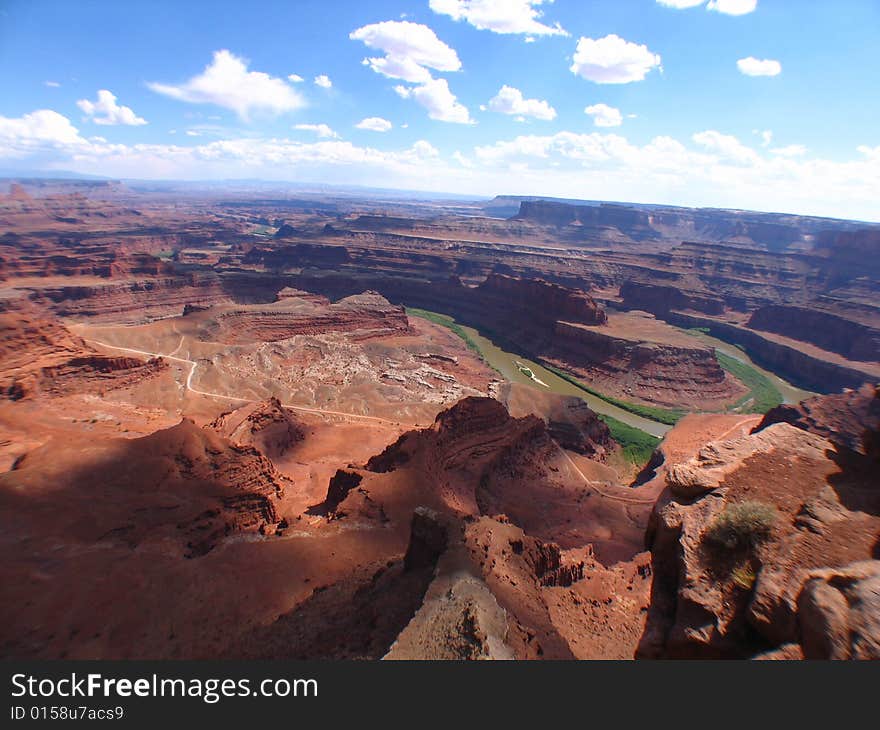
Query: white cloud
{"x": 726, "y": 146}
{"x": 322, "y": 130}
{"x": 410, "y": 50}
{"x": 295, "y": 79}
{"x": 681, "y": 4}
{"x": 228, "y": 83}
{"x": 323, "y": 81}
{"x": 752, "y": 66}
{"x": 612, "y": 60}
{"x": 733, "y": 7}
{"x": 51, "y": 84}
{"x": 792, "y": 150}
{"x": 43, "y": 129}
{"x": 463, "y": 160}
{"x": 440, "y": 102}
{"x": 604, "y": 115}
{"x": 713, "y": 169}
{"x": 374, "y": 124}
{"x": 106, "y": 111}
{"x": 766, "y": 136}
{"x": 509, "y": 100}
{"x": 506, "y": 16}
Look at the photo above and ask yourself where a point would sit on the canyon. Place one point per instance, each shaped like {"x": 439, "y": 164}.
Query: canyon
{"x": 240, "y": 425}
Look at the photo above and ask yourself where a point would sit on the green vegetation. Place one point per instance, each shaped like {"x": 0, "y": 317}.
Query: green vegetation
{"x": 744, "y": 576}
{"x": 637, "y": 446}
{"x": 763, "y": 394}
{"x": 742, "y": 526}
{"x": 662, "y": 415}
{"x": 446, "y": 321}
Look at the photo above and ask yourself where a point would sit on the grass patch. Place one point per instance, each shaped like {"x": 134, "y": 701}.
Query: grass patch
{"x": 763, "y": 394}
{"x": 668, "y": 416}
{"x": 637, "y": 446}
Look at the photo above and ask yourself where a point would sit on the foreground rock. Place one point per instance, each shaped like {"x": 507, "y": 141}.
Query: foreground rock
{"x": 850, "y": 419}
{"x": 741, "y": 531}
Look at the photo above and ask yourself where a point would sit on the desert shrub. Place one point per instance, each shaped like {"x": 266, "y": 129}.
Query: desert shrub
{"x": 742, "y": 526}
{"x": 744, "y": 576}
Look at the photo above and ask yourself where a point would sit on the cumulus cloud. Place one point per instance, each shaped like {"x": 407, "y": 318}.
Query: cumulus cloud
{"x": 612, "y": 60}
{"x": 712, "y": 169}
{"x": 752, "y": 66}
{"x": 374, "y": 124}
{"x": 227, "y": 82}
{"x": 410, "y": 49}
{"x": 681, "y": 4}
{"x": 41, "y": 129}
{"x": 323, "y": 81}
{"x": 604, "y": 115}
{"x": 295, "y": 79}
{"x": 106, "y": 111}
{"x": 507, "y": 16}
{"x": 510, "y": 100}
{"x": 726, "y": 146}
{"x": 440, "y": 102}
{"x": 733, "y": 7}
{"x": 322, "y": 130}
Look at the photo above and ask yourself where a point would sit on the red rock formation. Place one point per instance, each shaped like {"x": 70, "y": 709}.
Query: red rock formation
{"x": 368, "y": 314}
{"x": 267, "y": 426}
{"x": 133, "y": 302}
{"x": 39, "y": 355}
{"x": 660, "y": 300}
{"x": 846, "y": 336}
{"x": 850, "y": 419}
{"x": 536, "y": 299}
{"x": 742, "y": 598}
{"x": 184, "y": 483}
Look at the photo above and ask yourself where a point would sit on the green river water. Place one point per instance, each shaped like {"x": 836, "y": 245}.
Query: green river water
{"x": 511, "y": 365}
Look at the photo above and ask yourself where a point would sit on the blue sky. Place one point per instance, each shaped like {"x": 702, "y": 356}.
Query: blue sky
{"x": 767, "y": 105}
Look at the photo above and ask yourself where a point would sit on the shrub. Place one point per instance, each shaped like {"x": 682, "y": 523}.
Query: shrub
{"x": 742, "y": 526}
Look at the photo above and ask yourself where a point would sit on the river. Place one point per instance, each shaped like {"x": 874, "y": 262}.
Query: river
{"x": 506, "y": 363}
{"x": 789, "y": 392}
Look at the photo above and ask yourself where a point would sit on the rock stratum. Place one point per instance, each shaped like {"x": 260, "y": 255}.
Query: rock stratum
{"x": 223, "y": 436}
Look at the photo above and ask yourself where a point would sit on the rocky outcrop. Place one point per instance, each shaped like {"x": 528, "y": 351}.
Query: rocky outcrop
{"x": 850, "y": 419}
{"x": 369, "y": 315}
{"x": 267, "y": 425}
{"x": 660, "y": 299}
{"x": 38, "y": 354}
{"x": 184, "y": 484}
{"x": 574, "y": 426}
{"x": 811, "y": 371}
{"x": 740, "y": 532}
{"x": 89, "y": 373}
{"x": 505, "y": 296}
{"x": 666, "y": 374}
{"x": 845, "y": 336}
{"x": 133, "y": 302}
{"x": 838, "y": 612}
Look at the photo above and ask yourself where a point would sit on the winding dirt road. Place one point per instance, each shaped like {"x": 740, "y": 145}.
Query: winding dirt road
{"x": 192, "y": 370}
